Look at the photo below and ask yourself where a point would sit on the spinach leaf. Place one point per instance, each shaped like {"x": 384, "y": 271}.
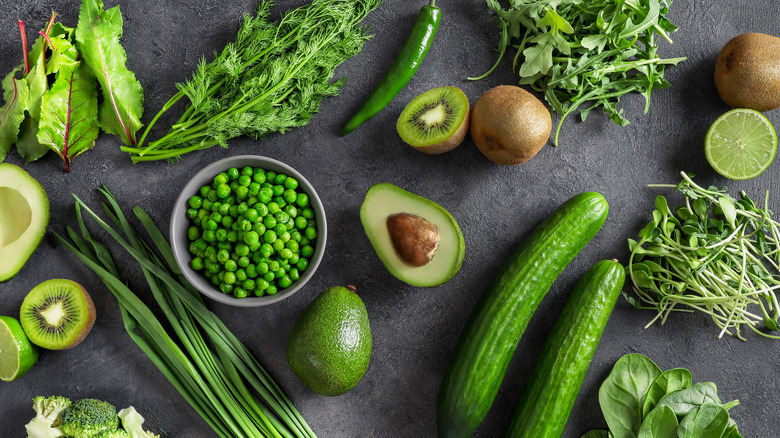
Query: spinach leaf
{"x": 622, "y": 394}
{"x": 660, "y": 423}
{"x": 68, "y": 122}
{"x": 683, "y": 401}
{"x": 668, "y": 382}
{"x": 596, "y": 434}
{"x": 708, "y": 421}
{"x": 97, "y": 35}
{"x": 15, "y": 92}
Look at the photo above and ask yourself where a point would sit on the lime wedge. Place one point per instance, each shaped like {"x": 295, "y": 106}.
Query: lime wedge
{"x": 17, "y": 355}
{"x": 741, "y": 144}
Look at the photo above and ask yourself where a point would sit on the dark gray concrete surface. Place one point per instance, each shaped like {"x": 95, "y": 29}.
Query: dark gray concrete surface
{"x": 414, "y": 329}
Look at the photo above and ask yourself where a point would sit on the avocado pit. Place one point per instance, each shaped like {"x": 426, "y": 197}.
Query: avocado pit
{"x": 414, "y": 238}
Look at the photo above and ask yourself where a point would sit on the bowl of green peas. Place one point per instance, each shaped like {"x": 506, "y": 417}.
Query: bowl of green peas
{"x": 248, "y": 231}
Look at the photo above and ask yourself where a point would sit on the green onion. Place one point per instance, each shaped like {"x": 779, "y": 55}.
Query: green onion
{"x": 203, "y": 360}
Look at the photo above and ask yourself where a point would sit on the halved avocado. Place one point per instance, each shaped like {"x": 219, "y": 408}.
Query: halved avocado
{"x": 440, "y": 242}
{"x": 24, "y": 215}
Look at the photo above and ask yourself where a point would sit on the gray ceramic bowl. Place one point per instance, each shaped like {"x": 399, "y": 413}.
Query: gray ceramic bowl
{"x": 180, "y": 223}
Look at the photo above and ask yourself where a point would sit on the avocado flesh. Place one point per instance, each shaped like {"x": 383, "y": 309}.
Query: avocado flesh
{"x": 330, "y": 345}
{"x": 384, "y": 200}
{"x": 24, "y": 215}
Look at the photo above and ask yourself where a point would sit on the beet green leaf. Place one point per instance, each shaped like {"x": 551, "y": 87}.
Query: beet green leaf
{"x": 15, "y": 92}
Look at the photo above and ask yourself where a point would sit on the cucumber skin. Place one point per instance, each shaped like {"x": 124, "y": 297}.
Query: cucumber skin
{"x": 491, "y": 335}
{"x": 554, "y": 383}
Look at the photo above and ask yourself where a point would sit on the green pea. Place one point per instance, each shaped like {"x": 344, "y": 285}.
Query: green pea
{"x": 286, "y": 253}
{"x": 245, "y": 180}
{"x": 308, "y": 213}
{"x": 221, "y": 178}
{"x": 269, "y": 221}
{"x": 271, "y": 290}
{"x": 223, "y": 256}
{"x": 254, "y": 190}
{"x": 294, "y": 259}
{"x": 214, "y": 280}
{"x": 273, "y": 266}
{"x": 252, "y": 215}
{"x": 270, "y": 175}
{"x": 269, "y": 236}
{"x": 279, "y": 200}
{"x": 285, "y": 237}
{"x": 216, "y": 217}
{"x": 258, "y": 177}
{"x": 280, "y": 178}
{"x": 204, "y": 191}
{"x": 273, "y": 208}
{"x": 248, "y": 171}
{"x": 251, "y": 238}
{"x": 195, "y": 202}
{"x": 240, "y": 293}
{"x": 281, "y": 272}
{"x": 278, "y": 190}
{"x": 266, "y": 250}
{"x": 192, "y": 213}
{"x": 251, "y": 271}
{"x": 285, "y": 281}
{"x": 193, "y": 233}
{"x": 291, "y": 210}
{"x": 240, "y": 274}
{"x": 291, "y": 183}
{"x": 243, "y": 261}
{"x": 197, "y": 264}
{"x": 279, "y": 229}
{"x": 227, "y": 221}
{"x": 268, "y": 276}
{"x": 234, "y": 211}
{"x": 265, "y": 195}
{"x": 311, "y": 233}
{"x": 242, "y": 208}
{"x": 213, "y": 268}
{"x": 231, "y": 265}
{"x": 259, "y": 228}
{"x": 301, "y": 222}
{"x": 246, "y": 226}
{"x": 223, "y": 191}
{"x": 278, "y": 245}
{"x": 292, "y": 245}
{"x": 296, "y": 236}
{"x": 206, "y": 206}
{"x": 226, "y": 288}
{"x": 242, "y": 193}
{"x": 248, "y": 284}
{"x": 307, "y": 250}
{"x": 294, "y": 274}
{"x": 262, "y": 209}
{"x": 282, "y": 217}
{"x": 232, "y": 173}
{"x": 302, "y": 200}
{"x": 302, "y": 264}
{"x": 221, "y": 235}
{"x": 209, "y": 236}
{"x": 262, "y": 284}
{"x": 290, "y": 195}
{"x": 223, "y": 245}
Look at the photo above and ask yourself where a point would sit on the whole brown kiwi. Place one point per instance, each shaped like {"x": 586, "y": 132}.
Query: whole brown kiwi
{"x": 747, "y": 72}
{"x": 510, "y": 125}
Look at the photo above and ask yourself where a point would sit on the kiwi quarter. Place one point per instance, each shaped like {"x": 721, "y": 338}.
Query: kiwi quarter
{"x": 436, "y": 121}
{"x": 57, "y": 314}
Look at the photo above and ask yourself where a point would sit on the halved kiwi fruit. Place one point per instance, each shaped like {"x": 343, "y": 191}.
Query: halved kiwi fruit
{"x": 57, "y": 314}
{"x": 436, "y": 121}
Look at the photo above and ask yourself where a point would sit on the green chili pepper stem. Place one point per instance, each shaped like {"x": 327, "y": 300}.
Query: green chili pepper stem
{"x": 406, "y": 64}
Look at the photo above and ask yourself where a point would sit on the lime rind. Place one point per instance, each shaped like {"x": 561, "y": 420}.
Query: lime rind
{"x": 17, "y": 354}
{"x": 741, "y": 144}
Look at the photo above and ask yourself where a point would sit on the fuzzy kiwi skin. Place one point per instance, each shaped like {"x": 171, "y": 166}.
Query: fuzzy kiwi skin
{"x": 451, "y": 143}
{"x": 31, "y": 329}
{"x": 747, "y": 72}
{"x": 510, "y": 125}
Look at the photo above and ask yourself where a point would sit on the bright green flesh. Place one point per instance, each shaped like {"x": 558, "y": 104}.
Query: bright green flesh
{"x": 741, "y": 144}
{"x": 330, "y": 345}
{"x": 17, "y": 356}
{"x": 24, "y": 215}
{"x": 54, "y": 313}
{"x": 433, "y": 116}
{"x": 383, "y": 200}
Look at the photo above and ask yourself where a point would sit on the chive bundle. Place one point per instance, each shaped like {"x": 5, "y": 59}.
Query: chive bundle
{"x": 206, "y": 363}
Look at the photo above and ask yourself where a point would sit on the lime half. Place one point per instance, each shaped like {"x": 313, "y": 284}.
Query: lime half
{"x": 741, "y": 144}
{"x": 17, "y": 355}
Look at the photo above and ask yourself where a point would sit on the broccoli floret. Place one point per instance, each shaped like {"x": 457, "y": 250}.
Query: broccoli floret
{"x": 133, "y": 422}
{"x": 119, "y": 433}
{"x": 47, "y": 417}
{"x": 88, "y": 417}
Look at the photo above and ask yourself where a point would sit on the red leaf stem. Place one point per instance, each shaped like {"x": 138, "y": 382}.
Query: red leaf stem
{"x": 24, "y": 48}
{"x": 48, "y": 30}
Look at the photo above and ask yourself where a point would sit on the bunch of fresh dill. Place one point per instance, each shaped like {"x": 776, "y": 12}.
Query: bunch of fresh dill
{"x": 271, "y": 79}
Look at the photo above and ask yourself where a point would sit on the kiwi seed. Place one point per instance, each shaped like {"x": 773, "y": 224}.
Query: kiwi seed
{"x": 436, "y": 121}
{"x": 57, "y": 314}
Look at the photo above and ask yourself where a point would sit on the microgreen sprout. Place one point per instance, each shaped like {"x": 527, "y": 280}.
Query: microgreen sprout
{"x": 715, "y": 254}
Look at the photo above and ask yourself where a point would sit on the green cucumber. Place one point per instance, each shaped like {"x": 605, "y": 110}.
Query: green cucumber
{"x": 493, "y": 330}
{"x": 555, "y": 381}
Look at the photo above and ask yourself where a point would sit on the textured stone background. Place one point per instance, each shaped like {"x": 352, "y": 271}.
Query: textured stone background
{"x": 415, "y": 330}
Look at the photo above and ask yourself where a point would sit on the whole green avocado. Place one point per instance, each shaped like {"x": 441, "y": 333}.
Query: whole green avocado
{"x": 330, "y": 345}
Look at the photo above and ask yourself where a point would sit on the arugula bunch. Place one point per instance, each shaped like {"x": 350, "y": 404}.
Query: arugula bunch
{"x": 714, "y": 254}
{"x": 271, "y": 79}
{"x": 64, "y": 115}
{"x": 586, "y": 51}
{"x": 639, "y": 400}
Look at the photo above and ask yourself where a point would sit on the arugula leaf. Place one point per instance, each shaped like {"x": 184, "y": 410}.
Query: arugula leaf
{"x": 97, "y": 35}
{"x": 16, "y": 93}
{"x": 68, "y": 123}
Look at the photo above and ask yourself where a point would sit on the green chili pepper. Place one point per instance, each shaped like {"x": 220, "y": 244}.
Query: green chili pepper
{"x": 403, "y": 68}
